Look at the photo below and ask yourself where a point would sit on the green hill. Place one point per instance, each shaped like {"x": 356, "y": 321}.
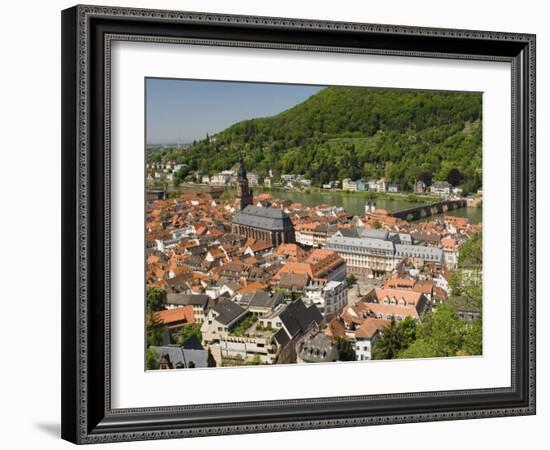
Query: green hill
{"x": 343, "y": 132}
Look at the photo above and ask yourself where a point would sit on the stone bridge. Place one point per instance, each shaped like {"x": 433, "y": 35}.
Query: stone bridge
{"x": 419, "y": 212}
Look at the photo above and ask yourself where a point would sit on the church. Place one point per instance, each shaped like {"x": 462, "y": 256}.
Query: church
{"x": 270, "y": 225}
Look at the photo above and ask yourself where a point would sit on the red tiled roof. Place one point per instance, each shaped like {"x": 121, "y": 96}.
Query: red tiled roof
{"x": 180, "y": 315}
{"x": 370, "y": 326}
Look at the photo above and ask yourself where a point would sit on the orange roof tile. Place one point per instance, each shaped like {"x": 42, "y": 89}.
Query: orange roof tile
{"x": 182, "y": 314}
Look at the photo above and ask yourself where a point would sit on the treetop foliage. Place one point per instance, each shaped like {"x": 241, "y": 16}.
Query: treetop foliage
{"x": 351, "y": 132}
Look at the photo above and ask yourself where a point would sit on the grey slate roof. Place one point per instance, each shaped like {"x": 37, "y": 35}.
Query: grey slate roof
{"x": 359, "y": 243}
{"x": 418, "y": 251}
{"x": 195, "y": 358}
{"x": 405, "y": 238}
{"x": 433, "y": 238}
{"x": 366, "y": 244}
{"x": 281, "y": 337}
{"x": 192, "y": 343}
{"x": 373, "y": 233}
{"x": 194, "y": 261}
{"x": 190, "y": 358}
{"x": 318, "y": 348}
{"x": 259, "y": 217}
{"x": 187, "y": 299}
{"x": 228, "y": 311}
{"x": 349, "y": 232}
{"x": 262, "y": 299}
{"x": 297, "y": 318}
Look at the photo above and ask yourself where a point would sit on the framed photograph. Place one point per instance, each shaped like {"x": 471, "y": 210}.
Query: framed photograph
{"x": 279, "y": 224}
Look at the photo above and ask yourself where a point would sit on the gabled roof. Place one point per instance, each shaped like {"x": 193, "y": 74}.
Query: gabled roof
{"x": 418, "y": 251}
{"x": 299, "y": 268}
{"x": 292, "y": 250}
{"x": 359, "y": 242}
{"x": 293, "y": 281}
{"x": 262, "y": 299}
{"x": 318, "y": 348}
{"x": 176, "y": 315}
{"x": 408, "y": 296}
{"x": 259, "y": 217}
{"x": 370, "y": 327}
{"x": 189, "y": 358}
{"x": 187, "y": 299}
{"x": 228, "y": 311}
{"x": 297, "y": 317}
{"x": 281, "y": 337}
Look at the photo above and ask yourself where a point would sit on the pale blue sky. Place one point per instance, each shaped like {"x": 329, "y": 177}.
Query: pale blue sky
{"x": 180, "y": 111}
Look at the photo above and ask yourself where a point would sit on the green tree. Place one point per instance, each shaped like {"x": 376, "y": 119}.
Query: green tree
{"x": 255, "y": 361}
{"x": 394, "y": 338}
{"x": 351, "y": 279}
{"x": 426, "y": 177}
{"x": 466, "y": 281}
{"x": 154, "y": 329}
{"x": 151, "y": 359}
{"x": 420, "y": 348}
{"x": 454, "y": 176}
{"x": 156, "y": 299}
{"x": 471, "y": 252}
{"x": 345, "y": 349}
{"x": 444, "y": 330}
{"x": 188, "y": 330}
{"x": 354, "y": 132}
{"x": 441, "y": 333}
{"x": 473, "y": 338}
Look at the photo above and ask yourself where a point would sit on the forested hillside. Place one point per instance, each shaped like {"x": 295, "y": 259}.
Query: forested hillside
{"x": 343, "y": 132}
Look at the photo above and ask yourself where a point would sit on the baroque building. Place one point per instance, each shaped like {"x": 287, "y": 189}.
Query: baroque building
{"x": 372, "y": 253}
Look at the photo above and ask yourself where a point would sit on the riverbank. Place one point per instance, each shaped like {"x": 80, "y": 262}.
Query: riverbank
{"x": 352, "y": 202}
{"x": 366, "y": 195}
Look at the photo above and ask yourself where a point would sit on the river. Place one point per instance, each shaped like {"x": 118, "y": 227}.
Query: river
{"x": 355, "y": 204}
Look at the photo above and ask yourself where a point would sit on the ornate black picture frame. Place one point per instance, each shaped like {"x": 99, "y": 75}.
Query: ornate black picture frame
{"x": 87, "y": 33}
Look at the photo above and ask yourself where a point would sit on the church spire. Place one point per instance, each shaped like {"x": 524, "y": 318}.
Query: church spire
{"x": 241, "y": 171}
{"x": 244, "y": 193}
